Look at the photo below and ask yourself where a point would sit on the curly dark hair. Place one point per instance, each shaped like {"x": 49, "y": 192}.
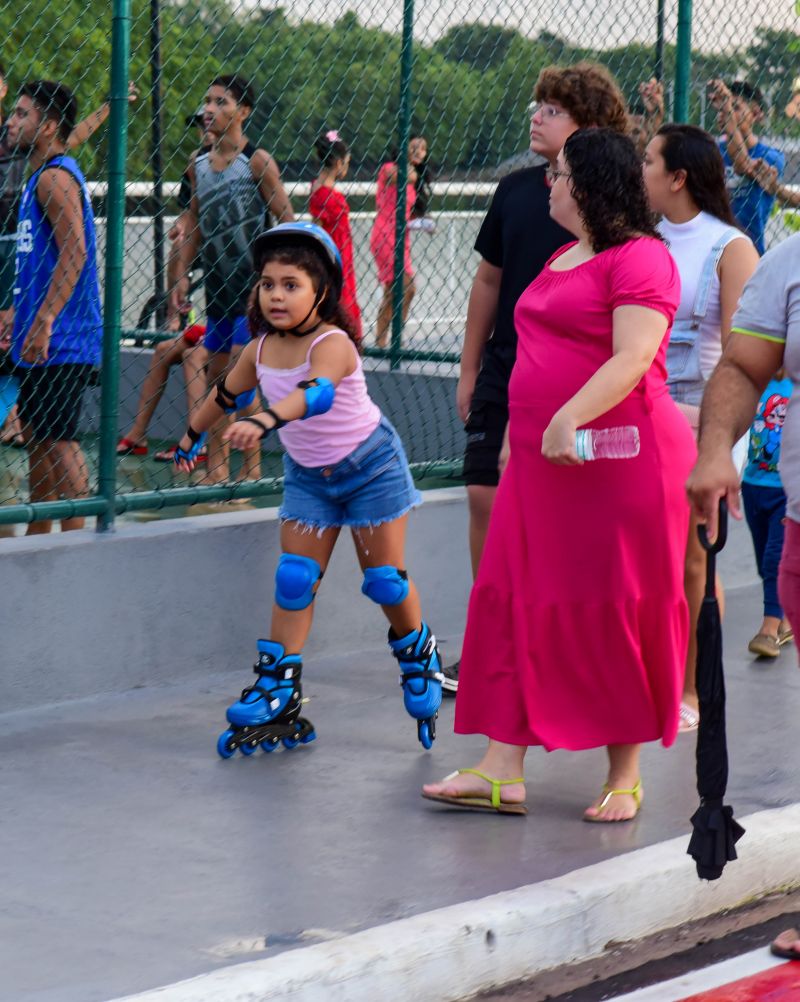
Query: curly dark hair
{"x": 303, "y": 257}
{"x": 587, "y": 91}
{"x": 607, "y": 183}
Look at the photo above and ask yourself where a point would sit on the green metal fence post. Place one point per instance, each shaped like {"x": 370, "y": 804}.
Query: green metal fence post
{"x": 403, "y": 138}
{"x": 658, "y": 69}
{"x": 115, "y": 251}
{"x": 683, "y": 61}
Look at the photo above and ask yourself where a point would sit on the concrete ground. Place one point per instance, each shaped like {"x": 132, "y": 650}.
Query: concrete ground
{"x": 132, "y": 857}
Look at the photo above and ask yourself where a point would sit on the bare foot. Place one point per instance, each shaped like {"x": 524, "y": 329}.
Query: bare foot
{"x": 611, "y": 807}
{"x": 787, "y": 945}
{"x": 468, "y": 785}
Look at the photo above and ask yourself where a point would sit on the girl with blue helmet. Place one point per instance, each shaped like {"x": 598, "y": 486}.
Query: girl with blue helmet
{"x": 344, "y": 465}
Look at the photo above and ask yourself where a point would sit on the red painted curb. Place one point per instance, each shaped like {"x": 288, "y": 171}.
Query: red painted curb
{"x": 778, "y": 984}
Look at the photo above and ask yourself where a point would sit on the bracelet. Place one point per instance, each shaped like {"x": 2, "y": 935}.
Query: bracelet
{"x": 264, "y": 430}
{"x": 279, "y": 421}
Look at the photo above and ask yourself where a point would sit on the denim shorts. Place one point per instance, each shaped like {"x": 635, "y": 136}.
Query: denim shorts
{"x": 687, "y": 391}
{"x": 370, "y": 486}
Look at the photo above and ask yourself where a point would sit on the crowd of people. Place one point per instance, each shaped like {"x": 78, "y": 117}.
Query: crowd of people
{"x": 712, "y": 199}
{"x": 230, "y": 191}
{"x": 620, "y": 286}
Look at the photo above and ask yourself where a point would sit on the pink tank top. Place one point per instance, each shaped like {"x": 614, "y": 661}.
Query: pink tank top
{"x": 324, "y": 439}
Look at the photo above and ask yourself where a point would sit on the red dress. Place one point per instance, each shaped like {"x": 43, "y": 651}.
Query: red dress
{"x": 329, "y": 207}
{"x": 578, "y": 625}
{"x": 381, "y": 241}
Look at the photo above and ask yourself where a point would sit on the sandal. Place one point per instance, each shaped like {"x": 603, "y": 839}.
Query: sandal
{"x": 635, "y": 792}
{"x": 168, "y": 455}
{"x": 785, "y": 636}
{"x": 688, "y": 719}
{"x": 128, "y": 447}
{"x": 780, "y": 947}
{"x": 493, "y": 803}
{"x": 764, "y": 645}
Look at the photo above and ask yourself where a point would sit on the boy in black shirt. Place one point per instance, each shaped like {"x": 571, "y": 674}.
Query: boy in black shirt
{"x": 515, "y": 241}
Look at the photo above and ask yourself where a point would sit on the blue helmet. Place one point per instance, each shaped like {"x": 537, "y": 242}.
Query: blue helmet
{"x": 308, "y": 233}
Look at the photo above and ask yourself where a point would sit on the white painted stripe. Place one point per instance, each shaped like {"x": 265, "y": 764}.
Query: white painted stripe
{"x": 458, "y": 951}
{"x": 723, "y": 973}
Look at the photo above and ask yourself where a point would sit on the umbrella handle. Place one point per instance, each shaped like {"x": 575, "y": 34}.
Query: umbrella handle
{"x": 712, "y": 549}
{"x": 722, "y": 530}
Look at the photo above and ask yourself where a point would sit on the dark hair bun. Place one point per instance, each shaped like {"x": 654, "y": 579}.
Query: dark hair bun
{"x": 330, "y": 147}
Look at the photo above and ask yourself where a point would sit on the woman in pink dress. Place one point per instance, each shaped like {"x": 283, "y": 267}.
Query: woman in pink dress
{"x": 578, "y": 624}
{"x": 381, "y": 241}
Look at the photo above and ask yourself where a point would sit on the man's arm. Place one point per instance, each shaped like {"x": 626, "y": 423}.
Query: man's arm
{"x": 59, "y": 194}
{"x": 729, "y": 405}
{"x": 722, "y": 99}
{"x": 768, "y": 178}
{"x": 266, "y": 173}
{"x": 481, "y": 313}
{"x": 182, "y": 253}
{"x": 89, "y": 125}
{"x": 652, "y": 94}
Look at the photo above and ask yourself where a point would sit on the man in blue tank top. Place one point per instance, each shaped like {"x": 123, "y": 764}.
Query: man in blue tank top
{"x": 235, "y": 187}
{"x": 57, "y": 328}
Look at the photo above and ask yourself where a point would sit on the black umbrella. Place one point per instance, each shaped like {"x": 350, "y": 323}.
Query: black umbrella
{"x": 713, "y": 841}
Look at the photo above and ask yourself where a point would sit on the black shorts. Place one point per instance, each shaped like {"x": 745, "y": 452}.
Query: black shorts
{"x": 8, "y": 252}
{"x": 50, "y": 400}
{"x": 485, "y": 428}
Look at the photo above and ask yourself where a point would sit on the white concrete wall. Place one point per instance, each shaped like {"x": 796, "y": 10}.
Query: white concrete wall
{"x": 152, "y": 603}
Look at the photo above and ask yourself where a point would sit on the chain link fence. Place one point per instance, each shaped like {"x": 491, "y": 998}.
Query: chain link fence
{"x": 378, "y": 77}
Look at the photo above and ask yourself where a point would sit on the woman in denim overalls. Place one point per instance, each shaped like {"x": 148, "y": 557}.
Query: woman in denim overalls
{"x": 685, "y": 180}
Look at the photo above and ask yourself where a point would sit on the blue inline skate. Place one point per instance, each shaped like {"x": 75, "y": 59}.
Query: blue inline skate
{"x": 268, "y": 712}
{"x": 421, "y": 678}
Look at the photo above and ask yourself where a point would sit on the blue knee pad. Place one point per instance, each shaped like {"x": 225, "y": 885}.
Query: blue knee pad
{"x": 295, "y": 578}
{"x": 385, "y": 585}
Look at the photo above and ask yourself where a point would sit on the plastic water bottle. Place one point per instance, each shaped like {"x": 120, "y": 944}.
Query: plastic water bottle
{"x": 607, "y": 443}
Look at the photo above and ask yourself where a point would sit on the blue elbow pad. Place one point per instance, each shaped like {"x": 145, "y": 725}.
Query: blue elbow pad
{"x": 230, "y": 402}
{"x": 319, "y": 395}
{"x": 244, "y": 400}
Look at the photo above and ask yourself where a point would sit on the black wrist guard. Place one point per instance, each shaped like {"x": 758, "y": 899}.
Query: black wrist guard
{"x": 279, "y": 421}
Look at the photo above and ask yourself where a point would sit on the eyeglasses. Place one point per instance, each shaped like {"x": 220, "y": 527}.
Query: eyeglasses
{"x": 553, "y": 174}
{"x": 547, "y": 111}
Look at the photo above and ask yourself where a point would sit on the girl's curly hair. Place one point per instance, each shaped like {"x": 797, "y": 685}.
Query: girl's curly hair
{"x": 605, "y": 176}
{"x": 303, "y": 257}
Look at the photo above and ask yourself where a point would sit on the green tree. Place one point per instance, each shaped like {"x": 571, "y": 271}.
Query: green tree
{"x": 479, "y": 46}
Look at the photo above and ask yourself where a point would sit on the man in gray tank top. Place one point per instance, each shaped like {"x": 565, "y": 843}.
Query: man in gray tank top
{"x": 235, "y": 188}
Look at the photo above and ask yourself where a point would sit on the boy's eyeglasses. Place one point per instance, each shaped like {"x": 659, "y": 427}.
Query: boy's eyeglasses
{"x": 547, "y": 111}
{"x": 553, "y": 174}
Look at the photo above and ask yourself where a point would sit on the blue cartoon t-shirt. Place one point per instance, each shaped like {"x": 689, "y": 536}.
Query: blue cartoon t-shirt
{"x": 764, "y": 450}
{"x": 750, "y": 203}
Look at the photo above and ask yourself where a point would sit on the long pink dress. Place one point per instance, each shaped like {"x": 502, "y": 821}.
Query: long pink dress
{"x": 381, "y": 240}
{"x": 578, "y": 625}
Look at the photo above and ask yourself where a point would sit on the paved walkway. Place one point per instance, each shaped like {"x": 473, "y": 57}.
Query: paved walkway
{"x": 131, "y": 856}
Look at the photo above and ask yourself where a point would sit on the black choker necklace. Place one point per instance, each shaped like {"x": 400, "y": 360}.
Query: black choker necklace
{"x": 298, "y": 333}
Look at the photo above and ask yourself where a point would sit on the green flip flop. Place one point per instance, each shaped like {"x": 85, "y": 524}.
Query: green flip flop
{"x": 492, "y": 803}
